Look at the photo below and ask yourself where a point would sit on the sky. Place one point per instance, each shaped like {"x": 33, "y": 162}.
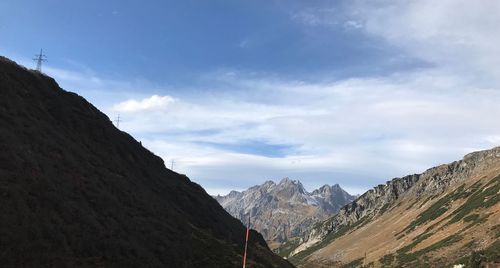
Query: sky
{"x": 238, "y": 92}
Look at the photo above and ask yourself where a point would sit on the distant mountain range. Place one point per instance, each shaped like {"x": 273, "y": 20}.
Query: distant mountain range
{"x": 284, "y": 210}
{"x": 448, "y": 215}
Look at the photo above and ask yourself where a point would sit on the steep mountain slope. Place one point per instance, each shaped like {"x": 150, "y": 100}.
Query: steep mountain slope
{"x": 434, "y": 218}
{"x": 285, "y": 210}
{"x": 77, "y": 192}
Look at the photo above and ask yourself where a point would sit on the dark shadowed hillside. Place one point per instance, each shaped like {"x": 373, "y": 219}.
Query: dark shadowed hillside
{"x": 76, "y": 191}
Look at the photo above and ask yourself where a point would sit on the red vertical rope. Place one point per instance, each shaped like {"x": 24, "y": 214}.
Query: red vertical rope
{"x": 246, "y": 243}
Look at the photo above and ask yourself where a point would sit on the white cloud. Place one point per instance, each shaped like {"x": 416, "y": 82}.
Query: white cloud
{"x": 315, "y": 16}
{"x": 357, "y": 132}
{"x": 221, "y": 190}
{"x": 365, "y": 128}
{"x": 152, "y": 103}
{"x": 493, "y": 139}
{"x": 353, "y": 24}
{"x": 460, "y": 34}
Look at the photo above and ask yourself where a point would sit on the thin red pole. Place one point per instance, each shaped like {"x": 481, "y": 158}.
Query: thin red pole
{"x": 246, "y": 243}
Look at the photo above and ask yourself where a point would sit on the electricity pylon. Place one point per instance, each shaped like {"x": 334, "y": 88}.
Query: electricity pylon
{"x": 40, "y": 58}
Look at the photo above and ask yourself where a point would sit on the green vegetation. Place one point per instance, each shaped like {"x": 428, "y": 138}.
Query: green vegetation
{"x": 430, "y": 228}
{"x": 405, "y": 257}
{"x": 384, "y": 208}
{"x": 425, "y": 201}
{"x": 472, "y": 217}
{"x": 435, "y": 210}
{"x": 492, "y": 253}
{"x": 469, "y": 245}
{"x": 355, "y": 263}
{"x": 477, "y": 198}
{"x": 448, "y": 241}
{"x": 327, "y": 240}
{"x": 475, "y": 221}
{"x": 412, "y": 204}
{"x": 484, "y": 198}
{"x": 399, "y": 236}
{"x": 480, "y": 258}
{"x": 415, "y": 242}
{"x": 387, "y": 260}
{"x": 496, "y": 230}
{"x": 330, "y": 237}
{"x": 287, "y": 247}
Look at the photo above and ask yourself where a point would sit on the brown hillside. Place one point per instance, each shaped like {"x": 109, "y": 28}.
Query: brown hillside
{"x": 447, "y": 215}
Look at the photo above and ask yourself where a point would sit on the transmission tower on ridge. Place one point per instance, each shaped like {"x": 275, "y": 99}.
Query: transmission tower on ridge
{"x": 39, "y": 58}
{"x": 117, "y": 121}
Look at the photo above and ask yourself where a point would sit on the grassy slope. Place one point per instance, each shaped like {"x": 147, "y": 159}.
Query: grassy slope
{"x": 437, "y": 231}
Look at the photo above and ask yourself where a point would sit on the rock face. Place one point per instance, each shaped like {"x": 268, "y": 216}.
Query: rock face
{"x": 284, "y": 210}
{"x": 77, "y": 192}
{"x": 433, "y": 218}
{"x": 369, "y": 204}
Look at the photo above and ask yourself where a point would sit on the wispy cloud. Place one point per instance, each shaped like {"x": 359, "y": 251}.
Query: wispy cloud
{"x": 363, "y": 128}
{"x": 357, "y": 132}
{"x": 242, "y": 127}
{"x": 458, "y": 35}
{"x": 353, "y": 24}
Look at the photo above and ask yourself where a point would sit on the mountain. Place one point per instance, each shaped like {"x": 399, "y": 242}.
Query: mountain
{"x": 77, "y": 192}
{"x": 285, "y": 210}
{"x": 450, "y": 214}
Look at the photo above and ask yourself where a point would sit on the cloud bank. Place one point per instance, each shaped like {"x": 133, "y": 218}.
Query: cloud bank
{"x": 238, "y": 128}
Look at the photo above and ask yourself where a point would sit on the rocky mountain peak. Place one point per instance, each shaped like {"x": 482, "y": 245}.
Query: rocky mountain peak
{"x": 290, "y": 188}
{"x": 285, "y": 209}
{"x": 288, "y": 181}
{"x": 269, "y": 183}
{"x": 268, "y": 186}
{"x": 234, "y": 193}
{"x": 327, "y": 189}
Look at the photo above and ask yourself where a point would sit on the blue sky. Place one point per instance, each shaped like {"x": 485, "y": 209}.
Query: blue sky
{"x": 238, "y": 92}
{"x": 170, "y": 42}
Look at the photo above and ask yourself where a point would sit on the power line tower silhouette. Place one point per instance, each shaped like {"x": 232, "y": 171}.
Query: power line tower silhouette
{"x": 117, "y": 121}
{"x": 40, "y": 58}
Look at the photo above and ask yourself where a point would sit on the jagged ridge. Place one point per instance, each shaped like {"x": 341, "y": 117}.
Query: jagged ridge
{"x": 284, "y": 210}
{"x": 382, "y": 198}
